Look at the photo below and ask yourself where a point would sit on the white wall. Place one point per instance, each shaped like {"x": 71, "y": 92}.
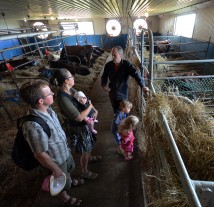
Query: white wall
{"x": 204, "y": 24}
{"x": 153, "y": 23}
{"x": 125, "y": 25}
{"x": 166, "y": 25}
{"x": 11, "y": 23}
{"x": 99, "y": 26}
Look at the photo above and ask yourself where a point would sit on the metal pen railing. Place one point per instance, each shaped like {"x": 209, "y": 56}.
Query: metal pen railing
{"x": 193, "y": 189}
{"x": 38, "y": 49}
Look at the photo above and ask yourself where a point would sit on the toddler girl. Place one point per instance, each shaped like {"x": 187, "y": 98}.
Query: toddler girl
{"x": 127, "y": 136}
{"x": 124, "y": 109}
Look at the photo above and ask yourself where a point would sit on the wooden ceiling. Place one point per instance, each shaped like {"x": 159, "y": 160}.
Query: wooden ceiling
{"x": 70, "y": 9}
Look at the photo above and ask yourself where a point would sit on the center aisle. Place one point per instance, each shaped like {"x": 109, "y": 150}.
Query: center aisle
{"x": 119, "y": 182}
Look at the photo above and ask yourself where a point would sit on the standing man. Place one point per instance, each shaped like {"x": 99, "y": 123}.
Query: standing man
{"x": 52, "y": 153}
{"x": 115, "y": 78}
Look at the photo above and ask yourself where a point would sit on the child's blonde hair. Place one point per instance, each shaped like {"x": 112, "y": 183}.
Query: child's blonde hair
{"x": 124, "y": 104}
{"x": 127, "y": 124}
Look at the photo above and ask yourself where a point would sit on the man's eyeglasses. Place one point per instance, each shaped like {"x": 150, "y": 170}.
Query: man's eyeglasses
{"x": 50, "y": 94}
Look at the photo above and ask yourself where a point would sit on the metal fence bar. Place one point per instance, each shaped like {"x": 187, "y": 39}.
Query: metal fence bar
{"x": 181, "y": 62}
{"x": 184, "y": 77}
{"x": 30, "y": 44}
{"x": 205, "y": 191}
{"x": 184, "y": 176}
{"x": 203, "y": 184}
{"x": 182, "y": 171}
{"x": 182, "y": 52}
{"x": 156, "y": 37}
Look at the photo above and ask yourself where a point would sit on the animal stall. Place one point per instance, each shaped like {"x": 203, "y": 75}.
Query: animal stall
{"x": 34, "y": 62}
{"x": 185, "y": 68}
{"x": 185, "y": 72}
{"x": 176, "y": 140}
{"x": 29, "y": 60}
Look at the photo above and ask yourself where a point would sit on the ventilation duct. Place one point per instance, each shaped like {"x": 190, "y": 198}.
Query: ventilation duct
{"x": 24, "y": 35}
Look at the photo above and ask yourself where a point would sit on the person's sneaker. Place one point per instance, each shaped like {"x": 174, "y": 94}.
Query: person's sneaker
{"x": 95, "y": 121}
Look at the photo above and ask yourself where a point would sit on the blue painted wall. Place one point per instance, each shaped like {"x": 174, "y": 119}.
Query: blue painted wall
{"x": 102, "y": 41}
{"x": 12, "y": 53}
{"x": 72, "y": 40}
{"x": 198, "y": 48}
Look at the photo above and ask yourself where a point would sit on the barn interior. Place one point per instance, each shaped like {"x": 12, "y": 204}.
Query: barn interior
{"x": 173, "y": 162}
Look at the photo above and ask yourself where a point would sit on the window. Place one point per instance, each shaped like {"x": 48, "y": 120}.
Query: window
{"x": 138, "y": 25}
{"x": 113, "y": 27}
{"x": 184, "y": 25}
{"x": 73, "y": 28}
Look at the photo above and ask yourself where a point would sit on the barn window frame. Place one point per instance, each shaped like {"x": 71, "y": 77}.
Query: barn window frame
{"x": 185, "y": 29}
{"x": 70, "y": 28}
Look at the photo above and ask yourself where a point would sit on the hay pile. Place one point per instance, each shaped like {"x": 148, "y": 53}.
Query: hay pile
{"x": 159, "y": 70}
{"x": 135, "y": 95}
{"x": 192, "y": 129}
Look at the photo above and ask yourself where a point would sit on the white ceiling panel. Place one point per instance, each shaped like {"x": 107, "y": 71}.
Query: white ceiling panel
{"x": 38, "y": 9}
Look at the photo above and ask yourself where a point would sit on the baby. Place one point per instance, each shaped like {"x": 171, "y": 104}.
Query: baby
{"x": 80, "y": 96}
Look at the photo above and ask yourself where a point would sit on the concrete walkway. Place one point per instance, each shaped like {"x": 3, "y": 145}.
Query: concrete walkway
{"x": 119, "y": 182}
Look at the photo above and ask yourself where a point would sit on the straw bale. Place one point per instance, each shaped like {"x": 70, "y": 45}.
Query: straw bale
{"x": 192, "y": 129}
